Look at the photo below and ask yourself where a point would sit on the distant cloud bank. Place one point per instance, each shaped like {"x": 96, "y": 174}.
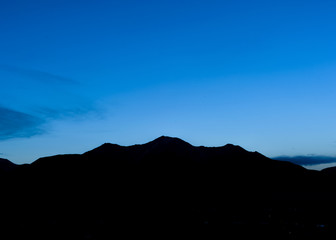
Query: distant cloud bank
{"x": 307, "y": 160}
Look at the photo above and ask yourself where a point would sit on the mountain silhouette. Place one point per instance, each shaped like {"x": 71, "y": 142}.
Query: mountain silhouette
{"x": 163, "y": 188}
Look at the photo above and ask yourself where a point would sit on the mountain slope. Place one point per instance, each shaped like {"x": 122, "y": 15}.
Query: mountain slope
{"x": 6, "y": 165}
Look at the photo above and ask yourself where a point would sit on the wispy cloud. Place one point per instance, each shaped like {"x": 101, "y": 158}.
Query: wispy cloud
{"x": 18, "y": 124}
{"x": 14, "y": 124}
{"x": 32, "y": 100}
{"x": 76, "y": 111}
{"x": 37, "y": 75}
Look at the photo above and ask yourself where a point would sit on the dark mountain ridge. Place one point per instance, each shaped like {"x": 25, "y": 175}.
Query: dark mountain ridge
{"x": 164, "y": 186}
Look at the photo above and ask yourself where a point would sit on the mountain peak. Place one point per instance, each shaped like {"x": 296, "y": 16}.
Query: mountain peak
{"x": 105, "y": 148}
{"x": 166, "y": 140}
{"x": 232, "y": 147}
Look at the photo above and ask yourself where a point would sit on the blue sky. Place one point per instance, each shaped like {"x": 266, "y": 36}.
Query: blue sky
{"x": 76, "y": 74}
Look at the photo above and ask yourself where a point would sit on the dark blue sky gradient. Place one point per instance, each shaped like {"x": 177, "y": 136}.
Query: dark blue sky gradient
{"x": 76, "y": 74}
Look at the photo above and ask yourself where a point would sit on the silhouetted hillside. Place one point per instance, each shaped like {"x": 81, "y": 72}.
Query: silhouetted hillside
{"x": 167, "y": 187}
{"x": 331, "y": 171}
{"x": 6, "y": 165}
